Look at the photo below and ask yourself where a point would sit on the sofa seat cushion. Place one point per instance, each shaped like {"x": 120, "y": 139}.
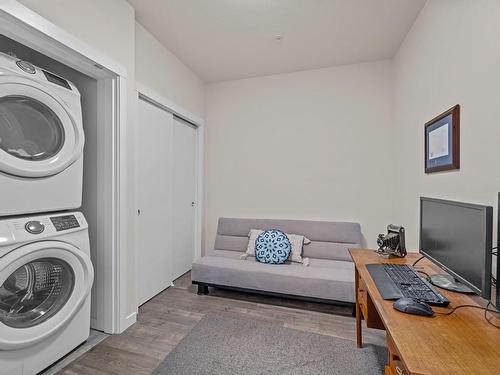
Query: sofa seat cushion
{"x": 324, "y": 278}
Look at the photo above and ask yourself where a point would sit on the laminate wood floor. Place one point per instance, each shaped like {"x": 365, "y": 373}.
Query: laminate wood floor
{"x": 167, "y": 318}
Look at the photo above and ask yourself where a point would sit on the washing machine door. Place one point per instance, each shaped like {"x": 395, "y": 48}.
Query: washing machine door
{"x": 39, "y": 136}
{"x": 42, "y": 286}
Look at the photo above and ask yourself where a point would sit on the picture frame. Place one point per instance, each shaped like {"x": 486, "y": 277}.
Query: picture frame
{"x": 442, "y": 141}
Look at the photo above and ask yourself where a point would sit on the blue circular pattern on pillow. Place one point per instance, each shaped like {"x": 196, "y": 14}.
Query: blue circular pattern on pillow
{"x": 273, "y": 247}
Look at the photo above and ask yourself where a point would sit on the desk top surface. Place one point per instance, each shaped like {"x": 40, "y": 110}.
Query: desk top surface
{"x": 460, "y": 343}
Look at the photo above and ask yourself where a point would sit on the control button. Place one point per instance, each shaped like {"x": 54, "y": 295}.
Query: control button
{"x": 26, "y": 66}
{"x": 34, "y": 227}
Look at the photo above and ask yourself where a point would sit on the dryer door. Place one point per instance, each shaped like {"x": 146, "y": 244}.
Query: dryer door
{"x": 39, "y": 136}
{"x": 42, "y": 286}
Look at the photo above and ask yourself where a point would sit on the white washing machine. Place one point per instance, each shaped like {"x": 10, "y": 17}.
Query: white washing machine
{"x": 41, "y": 140}
{"x": 45, "y": 281}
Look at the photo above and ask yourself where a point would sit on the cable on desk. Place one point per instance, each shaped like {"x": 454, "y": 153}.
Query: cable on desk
{"x": 423, "y": 272}
{"x": 486, "y": 310}
{"x": 453, "y": 309}
{"x": 418, "y": 260}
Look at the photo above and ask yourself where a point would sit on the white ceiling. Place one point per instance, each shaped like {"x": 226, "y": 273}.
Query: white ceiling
{"x": 232, "y": 39}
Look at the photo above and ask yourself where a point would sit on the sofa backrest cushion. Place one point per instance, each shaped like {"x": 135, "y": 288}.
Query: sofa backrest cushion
{"x": 329, "y": 240}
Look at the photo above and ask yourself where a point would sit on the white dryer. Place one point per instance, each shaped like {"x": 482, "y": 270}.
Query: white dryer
{"x": 45, "y": 280}
{"x": 41, "y": 140}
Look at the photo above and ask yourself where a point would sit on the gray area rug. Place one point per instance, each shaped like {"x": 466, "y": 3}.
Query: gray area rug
{"x": 223, "y": 346}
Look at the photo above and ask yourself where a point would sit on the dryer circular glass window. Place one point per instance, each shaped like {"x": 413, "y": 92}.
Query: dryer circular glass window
{"x": 29, "y": 129}
{"x": 35, "y": 292}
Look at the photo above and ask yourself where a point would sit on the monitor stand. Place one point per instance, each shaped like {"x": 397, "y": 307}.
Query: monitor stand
{"x": 448, "y": 282}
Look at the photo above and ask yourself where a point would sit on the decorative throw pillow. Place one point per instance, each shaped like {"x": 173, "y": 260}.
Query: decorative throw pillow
{"x": 273, "y": 247}
{"x": 296, "y": 240}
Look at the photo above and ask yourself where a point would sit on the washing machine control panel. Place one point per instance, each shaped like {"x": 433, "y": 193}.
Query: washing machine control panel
{"x": 37, "y": 228}
{"x": 34, "y": 227}
{"x": 64, "y": 222}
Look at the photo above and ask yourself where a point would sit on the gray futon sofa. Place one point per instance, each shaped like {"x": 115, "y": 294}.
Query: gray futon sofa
{"x": 328, "y": 278}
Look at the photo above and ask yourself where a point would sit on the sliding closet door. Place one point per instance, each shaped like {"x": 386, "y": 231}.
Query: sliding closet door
{"x": 184, "y": 198}
{"x": 154, "y": 200}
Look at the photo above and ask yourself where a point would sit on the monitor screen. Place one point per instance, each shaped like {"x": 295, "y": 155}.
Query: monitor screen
{"x": 458, "y": 238}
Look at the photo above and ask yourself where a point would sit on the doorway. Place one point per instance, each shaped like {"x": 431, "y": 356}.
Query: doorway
{"x": 167, "y": 187}
{"x": 107, "y": 80}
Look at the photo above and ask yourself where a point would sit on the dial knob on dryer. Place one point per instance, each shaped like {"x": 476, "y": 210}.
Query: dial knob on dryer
{"x": 26, "y": 66}
{"x": 34, "y": 227}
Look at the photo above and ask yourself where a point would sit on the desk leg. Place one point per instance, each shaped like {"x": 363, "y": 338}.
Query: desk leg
{"x": 359, "y": 340}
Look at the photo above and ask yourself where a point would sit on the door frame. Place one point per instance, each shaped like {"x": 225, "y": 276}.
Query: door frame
{"x": 21, "y": 24}
{"x": 149, "y": 95}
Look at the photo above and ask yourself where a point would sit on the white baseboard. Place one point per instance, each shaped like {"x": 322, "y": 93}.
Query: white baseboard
{"x": 128, "y": 321}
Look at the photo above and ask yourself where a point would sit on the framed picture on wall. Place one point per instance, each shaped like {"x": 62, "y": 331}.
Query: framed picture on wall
{"x": 442, "y": 141}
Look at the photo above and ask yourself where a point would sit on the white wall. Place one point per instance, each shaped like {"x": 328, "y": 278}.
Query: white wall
{"x": 451, "y": 56}
{"x": 306, "y": 145}
{"x": 105, "y": 25}
{"x": 160, "y": 70}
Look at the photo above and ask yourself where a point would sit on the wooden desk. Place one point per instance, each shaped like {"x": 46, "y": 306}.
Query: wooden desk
{"x": 460, "y": 343}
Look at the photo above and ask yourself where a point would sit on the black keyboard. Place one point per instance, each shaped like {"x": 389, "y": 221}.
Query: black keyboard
{"x": 411, "y": 285}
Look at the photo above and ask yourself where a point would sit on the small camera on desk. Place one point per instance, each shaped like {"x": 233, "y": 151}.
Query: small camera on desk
{"x": 392, "y": 243}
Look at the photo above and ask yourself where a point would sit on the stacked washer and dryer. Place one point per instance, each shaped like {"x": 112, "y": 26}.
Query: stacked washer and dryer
{"x": 45, "y": 270}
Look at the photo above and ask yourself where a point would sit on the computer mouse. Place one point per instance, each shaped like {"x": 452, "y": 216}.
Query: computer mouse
{"x": 413, "y": 306}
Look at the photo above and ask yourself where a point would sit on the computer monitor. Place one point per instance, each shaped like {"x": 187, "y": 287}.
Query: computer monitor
{"x": 458, "y": 237}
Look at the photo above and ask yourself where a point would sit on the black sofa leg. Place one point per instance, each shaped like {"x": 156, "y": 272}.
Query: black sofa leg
{"x": 202, "y": 289}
